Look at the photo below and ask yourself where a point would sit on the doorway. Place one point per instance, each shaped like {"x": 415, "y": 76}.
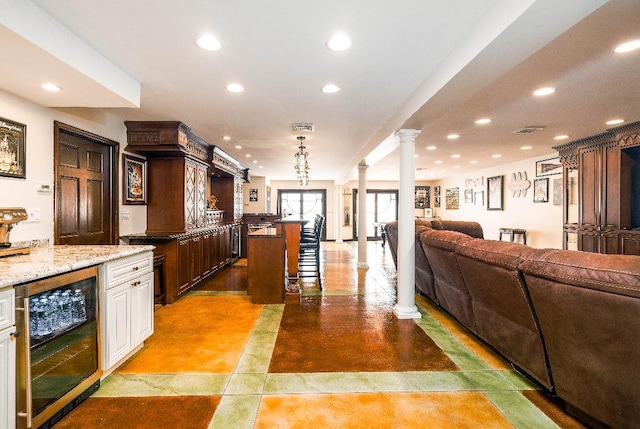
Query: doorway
{"x": 382, "y": 207}
{"x": 303, "y": 204}
{"x": 85, "y": 201}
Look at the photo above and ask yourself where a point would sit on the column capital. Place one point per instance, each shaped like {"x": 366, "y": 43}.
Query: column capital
{"x": 362, "y": 166}
{"x": 407, "y": 134}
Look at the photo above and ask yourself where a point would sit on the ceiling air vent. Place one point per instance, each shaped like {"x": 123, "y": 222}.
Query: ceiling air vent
{"x": 304, "y": 128}
{"x": 528, "y": 130}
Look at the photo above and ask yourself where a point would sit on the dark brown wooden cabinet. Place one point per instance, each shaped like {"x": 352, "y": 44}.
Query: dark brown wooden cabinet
{"x": 183, "y": 171}
{"x": 605, "y": 191}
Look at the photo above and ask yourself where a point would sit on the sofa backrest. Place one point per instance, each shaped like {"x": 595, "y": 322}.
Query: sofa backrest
{"x": 589, "y": 311}
{"x": 450, "y": 288}
{"x": 472, "y": 229}
{"x": 425, "y": 280}
{"x": 502, "y": 309}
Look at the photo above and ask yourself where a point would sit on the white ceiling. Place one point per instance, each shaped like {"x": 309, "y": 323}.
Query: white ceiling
{"x": 433, "y": 65}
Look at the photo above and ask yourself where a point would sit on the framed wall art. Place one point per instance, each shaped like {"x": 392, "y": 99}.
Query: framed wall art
{"x": 422, "y": 197}
{"x": 253, "y": 194}
{"x": 548, "y": 167}
{"x": 478, "y": 198}
{"x": 495, "y": 193}
{"x": 135, "y": 180}
{"x": 541, "y": 190}
{"x": 13, "y": 137}
{"x": 452, "y": 198}
{"x": 468, "y": 196}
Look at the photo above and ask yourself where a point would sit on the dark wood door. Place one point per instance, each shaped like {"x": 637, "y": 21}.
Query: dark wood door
{"x": 85, "y": 195}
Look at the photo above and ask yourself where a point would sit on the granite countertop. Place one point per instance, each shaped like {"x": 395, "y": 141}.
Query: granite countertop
{"x": 48, "y": 261}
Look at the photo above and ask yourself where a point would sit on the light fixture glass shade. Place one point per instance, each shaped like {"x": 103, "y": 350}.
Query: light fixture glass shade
{"x": 302, "y": 165}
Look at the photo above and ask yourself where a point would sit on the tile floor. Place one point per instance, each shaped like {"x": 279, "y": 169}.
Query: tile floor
{"x": 452, "y": 382}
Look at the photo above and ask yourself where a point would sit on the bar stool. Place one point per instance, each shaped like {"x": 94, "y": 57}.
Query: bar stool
{"x": 512, "y": 232}
{"x": 160, "y": 293}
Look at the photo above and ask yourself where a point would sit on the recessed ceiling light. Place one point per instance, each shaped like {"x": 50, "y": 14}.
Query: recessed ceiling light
{"x": 437, "y": 162}
{"x": 208, "y": 42}
{"x": 483, "y": 121}
{"x": 497, "y": 155}
{"x": 453, "y": 136}
{"x": 526, "y": 147}
{"x": 339, "y": 42}
{"x": 238, "y": 146}
{"x": 615, "y": 121}
{"x": 51, "y": 87}
{"x": 226, "y": 138}
{"x": 432, "y": 147}
{"x": 544, "y": 91}
{"x": 235, "y": 87}
{"x": 455, "y": 155}
{"x": 627, "y": 47}
{"x": 255, "y": 161}
{"x": 330, "y": 89}
{"x": 415, "y": 155}
{"x": 561, "y": 137}
{"x": 473, "y": 162}
{"x": 248, "y": 156}
{"x": 260, "y": 166}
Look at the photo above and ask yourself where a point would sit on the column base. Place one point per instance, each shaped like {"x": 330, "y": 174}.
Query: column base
{"x": 363, "y": 265}
{"x": 406, "y": 312}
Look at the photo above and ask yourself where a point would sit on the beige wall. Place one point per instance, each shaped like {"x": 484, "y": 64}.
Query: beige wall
{"x": 543, "y": 221}
{"x": 39, "y": 163}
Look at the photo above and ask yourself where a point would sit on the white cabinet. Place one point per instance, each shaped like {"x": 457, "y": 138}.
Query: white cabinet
{"x": 7, "y": 360}
{"x": 127, "y": 290}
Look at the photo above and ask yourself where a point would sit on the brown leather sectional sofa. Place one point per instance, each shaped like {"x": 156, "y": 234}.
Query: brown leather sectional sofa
{"x": 568, "y": 319}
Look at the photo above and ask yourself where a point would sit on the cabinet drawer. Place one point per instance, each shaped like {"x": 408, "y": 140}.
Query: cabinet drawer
{"x": 124, "y": 269}
{"x": 7, "y": 308}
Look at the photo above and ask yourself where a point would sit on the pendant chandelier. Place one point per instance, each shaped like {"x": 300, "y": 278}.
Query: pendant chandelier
{"x": 302, "y": 165}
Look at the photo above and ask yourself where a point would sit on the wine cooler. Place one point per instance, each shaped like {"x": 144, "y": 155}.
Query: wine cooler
{"x": 58, "y": 349}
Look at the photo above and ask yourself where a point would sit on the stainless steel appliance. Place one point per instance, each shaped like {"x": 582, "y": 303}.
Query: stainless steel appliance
{"x": 58, "y": 352}
{"x": 9, "y": 217}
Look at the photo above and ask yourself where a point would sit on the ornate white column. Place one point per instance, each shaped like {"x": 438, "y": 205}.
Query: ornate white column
{"x": 362, "y": 215}
{"x": 405, "y": 307}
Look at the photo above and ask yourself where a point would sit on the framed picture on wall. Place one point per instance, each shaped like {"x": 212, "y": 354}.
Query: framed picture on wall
{"x": 135, "y": 180}
{"x": 478, "y": 199}
{"x": 541, "y": 190}
{"x": 12, "y": 149}
{"x": 548, "y": 167}
{"x": 495, "y": 193}
{"x": 422, "y": 197}
{"x": 253, "y": 195}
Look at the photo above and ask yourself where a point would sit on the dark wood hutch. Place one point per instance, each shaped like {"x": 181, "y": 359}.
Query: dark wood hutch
{"x": 184, "y": 172}
{"x": 601, "y": 176}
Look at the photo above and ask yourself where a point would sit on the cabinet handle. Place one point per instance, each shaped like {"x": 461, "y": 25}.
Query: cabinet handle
{"x": 135, "y": 268}
{"x": 135, "y": 283}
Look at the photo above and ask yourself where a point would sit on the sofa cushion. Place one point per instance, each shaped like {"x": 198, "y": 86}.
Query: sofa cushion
{"x": 450, "y": 289}
{"x": 425, "y": 281}
{"x": 501, "y": 306}
{"x": 587, "y": 305}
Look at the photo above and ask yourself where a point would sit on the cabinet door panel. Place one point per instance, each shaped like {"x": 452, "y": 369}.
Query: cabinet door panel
{"x": 195, "y": 259}
{"x": 590, "y": 186}
{"x": 184, "y": 275}
{"x": 588, "y": 242}
{"x": 630, "y": 244}
{"x": 190, "y": 195}
{"x": 118, "y": 326}
{"x": 142, "y": 308}
{"x": 610, "y": 179}
{"x": 7, "y": 378}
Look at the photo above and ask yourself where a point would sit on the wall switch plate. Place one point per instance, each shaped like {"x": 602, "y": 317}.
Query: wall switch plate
{"x": 33, "y": 214}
